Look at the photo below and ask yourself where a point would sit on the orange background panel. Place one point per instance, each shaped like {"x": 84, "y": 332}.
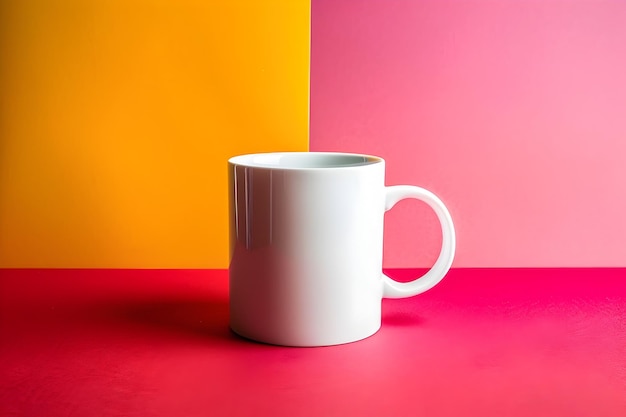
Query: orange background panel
{"x": 117, "y": 119}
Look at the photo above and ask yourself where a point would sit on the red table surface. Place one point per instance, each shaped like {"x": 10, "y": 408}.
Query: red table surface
{"x": 502, "y": 342}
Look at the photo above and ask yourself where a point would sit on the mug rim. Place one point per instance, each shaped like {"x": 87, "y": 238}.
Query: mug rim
{"x": 252, "y": 160}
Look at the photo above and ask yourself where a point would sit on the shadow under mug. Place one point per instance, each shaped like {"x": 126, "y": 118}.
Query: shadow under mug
{"x": 306, "y": 246}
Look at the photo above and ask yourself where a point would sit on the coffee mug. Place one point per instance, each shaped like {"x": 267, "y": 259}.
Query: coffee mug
{"x": 306, "y": 246}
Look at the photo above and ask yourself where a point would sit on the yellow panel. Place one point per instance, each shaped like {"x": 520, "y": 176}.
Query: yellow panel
{"x": 117, "y": 119}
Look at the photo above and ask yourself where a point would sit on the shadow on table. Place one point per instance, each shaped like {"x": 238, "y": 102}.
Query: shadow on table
{"x": 401, "y": 318}
{"x": 200, "y": 319}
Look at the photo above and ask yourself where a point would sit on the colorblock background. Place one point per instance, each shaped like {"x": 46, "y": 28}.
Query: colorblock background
{"x": 117, "y": 118}
{"x": 513, "y": 112}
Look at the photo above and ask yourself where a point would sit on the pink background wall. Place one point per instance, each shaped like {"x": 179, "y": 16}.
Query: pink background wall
{"x": 513, "y": 112}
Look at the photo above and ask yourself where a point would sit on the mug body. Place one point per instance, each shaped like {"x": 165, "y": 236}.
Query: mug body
{"x": 306, "y": 236}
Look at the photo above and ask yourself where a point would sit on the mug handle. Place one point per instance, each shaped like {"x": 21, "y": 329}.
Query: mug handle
{"x": 395, "y": 289}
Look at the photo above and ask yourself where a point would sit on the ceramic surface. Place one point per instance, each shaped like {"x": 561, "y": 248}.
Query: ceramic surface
{"x": 306, "y": 234}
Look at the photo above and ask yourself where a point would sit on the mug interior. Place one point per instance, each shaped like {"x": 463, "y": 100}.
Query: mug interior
{"x": 299, "y": 160}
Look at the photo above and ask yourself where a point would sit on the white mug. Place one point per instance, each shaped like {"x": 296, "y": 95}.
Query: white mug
{"x": 306, "y": 246}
